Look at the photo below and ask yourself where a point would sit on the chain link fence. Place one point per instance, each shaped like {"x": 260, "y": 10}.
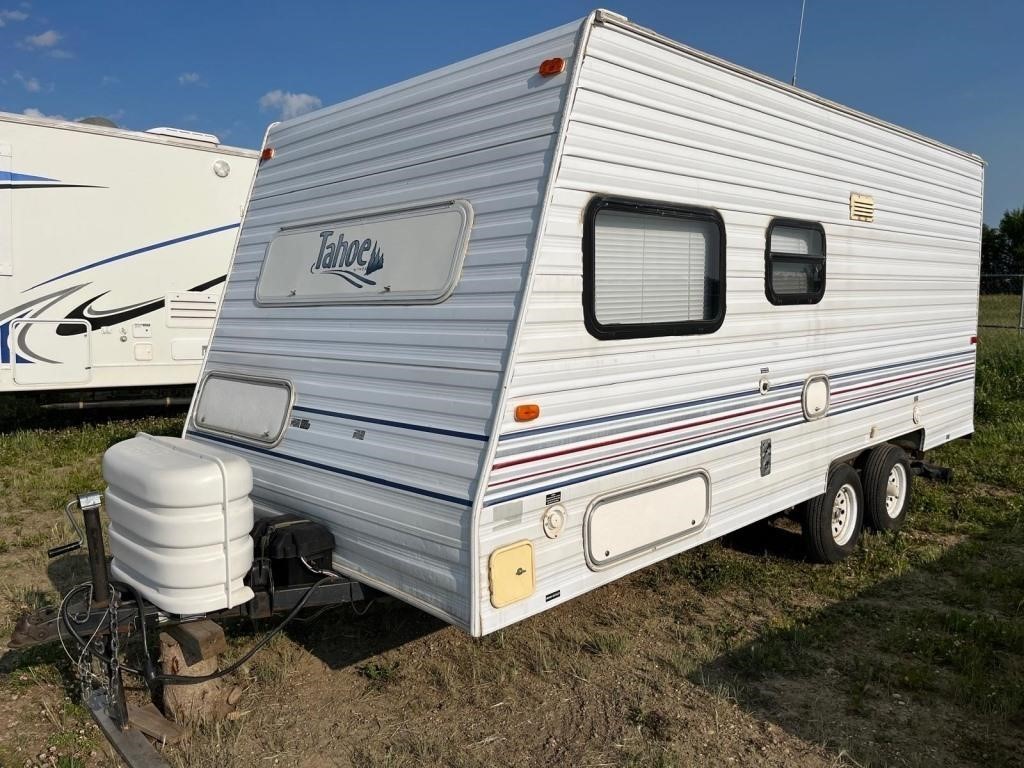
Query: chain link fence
{"x": 1002, "y": 302}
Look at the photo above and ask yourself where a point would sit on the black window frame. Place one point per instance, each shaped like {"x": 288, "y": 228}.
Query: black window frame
{"x": 789, "y": 299}
{"x": 647, "y": 330}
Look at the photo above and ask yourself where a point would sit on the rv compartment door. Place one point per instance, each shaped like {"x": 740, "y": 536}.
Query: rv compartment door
{"x": 41, "y": 355}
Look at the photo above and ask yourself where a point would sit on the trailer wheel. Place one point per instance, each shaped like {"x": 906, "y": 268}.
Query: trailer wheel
{"x": 887, "y": 488}
{"x": 833, "y": 521}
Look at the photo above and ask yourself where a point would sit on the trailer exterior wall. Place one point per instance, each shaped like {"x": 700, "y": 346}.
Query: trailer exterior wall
{"x": 654, "y": 121}
{"x": 418, "y": 384}
{"x": 103, "y": 225}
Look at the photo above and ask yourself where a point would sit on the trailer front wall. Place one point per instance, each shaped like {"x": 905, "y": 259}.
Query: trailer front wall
{"x": 893, "y": 331}
{"x": 393, "y": 403}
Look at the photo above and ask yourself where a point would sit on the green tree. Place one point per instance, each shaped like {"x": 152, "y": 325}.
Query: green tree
{"x": 1002, "y": 253}
{"x": 1012, "y": 228}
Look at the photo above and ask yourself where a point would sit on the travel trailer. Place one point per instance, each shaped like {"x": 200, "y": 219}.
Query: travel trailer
{"x": 511, "y": 330}
{"x": 113, "y": 251}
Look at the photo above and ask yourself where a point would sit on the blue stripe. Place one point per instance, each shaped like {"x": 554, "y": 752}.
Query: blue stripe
{"x": 626, "y": 415}
{"x": 563, "y": 482}
{"x": 900, "y": 365}
{"x": 338, "y": 470}
{"x": 386, "y": 423}
{"x": 707, "y": 400}
{"x": 11, "y": 176}
{"x": 137, "y": 251}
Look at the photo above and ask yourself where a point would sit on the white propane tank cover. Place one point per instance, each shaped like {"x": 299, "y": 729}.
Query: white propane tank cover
{"x": 180, "y": 517}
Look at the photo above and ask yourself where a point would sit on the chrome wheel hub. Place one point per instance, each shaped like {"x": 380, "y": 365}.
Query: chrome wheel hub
{"x": 896, "y": 491}
{"x": 844, "y": 514}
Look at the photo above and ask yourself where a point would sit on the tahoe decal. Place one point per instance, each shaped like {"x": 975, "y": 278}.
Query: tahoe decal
{"x": 352, "y": 261}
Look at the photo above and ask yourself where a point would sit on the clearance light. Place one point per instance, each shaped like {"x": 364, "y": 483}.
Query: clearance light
{"x": 266, "y": 154}
{"x": 551, "y": 67}
{"x": 527, "y": 412}
{"x": 974, "y": 340}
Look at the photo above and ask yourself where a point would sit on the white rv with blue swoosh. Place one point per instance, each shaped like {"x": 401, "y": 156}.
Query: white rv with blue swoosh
{"x": 114, "y": 247}
{"x": 523, "y": 325}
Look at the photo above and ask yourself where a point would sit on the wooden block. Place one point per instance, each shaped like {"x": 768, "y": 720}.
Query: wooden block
{"x": 200, "y": 702}
{"x": 149, "y": 720}
{"x": 199, "y": 640}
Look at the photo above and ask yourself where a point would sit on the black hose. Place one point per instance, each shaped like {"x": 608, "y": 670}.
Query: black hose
{"x": 186, "y": 680}
{"x": 63, "y": 618}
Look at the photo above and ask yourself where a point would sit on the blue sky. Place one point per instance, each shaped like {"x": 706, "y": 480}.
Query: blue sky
{"x": 950, "y": 70}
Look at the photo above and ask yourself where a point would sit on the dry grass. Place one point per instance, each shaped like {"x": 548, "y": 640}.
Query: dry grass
{"x": 737, "y": 653}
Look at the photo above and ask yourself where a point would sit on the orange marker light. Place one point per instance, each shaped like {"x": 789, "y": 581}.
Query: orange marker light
{"x": 551, "y": 67}
{"x": 527, "y": 412}
{"x": 266, "y": 154}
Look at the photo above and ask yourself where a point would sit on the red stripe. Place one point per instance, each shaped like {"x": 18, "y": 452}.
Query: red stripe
{"x": 650, "y": 433}
{"x": 650, "y": 448}
{"x": 700, "y": 422}
{"x": 902, "y": 378}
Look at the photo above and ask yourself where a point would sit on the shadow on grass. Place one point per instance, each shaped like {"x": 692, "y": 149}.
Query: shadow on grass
{"x": 923, "y": 669}
{"x": 35, "y": 410}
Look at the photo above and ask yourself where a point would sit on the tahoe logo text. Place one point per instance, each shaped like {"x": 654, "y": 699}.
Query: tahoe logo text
{"x": 353, "y": 261}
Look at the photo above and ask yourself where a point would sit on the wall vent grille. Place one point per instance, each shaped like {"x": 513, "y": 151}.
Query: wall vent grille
{"x": 862, "y": 207}
{"x": 191, "y": 309}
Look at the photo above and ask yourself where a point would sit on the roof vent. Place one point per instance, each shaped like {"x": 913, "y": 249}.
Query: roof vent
{"x": 105, "y": 122}
{"x": 181, "y": 133}
{"x": 862, "y": 207}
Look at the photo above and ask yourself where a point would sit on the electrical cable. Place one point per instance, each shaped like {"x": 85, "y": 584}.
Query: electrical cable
{"x": 186, "y": 680}
{"x": 64, "y": 617}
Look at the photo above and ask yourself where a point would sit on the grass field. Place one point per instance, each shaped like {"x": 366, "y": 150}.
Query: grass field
{"x": 736, "y": 653}
{"x": 1000, "y": 309}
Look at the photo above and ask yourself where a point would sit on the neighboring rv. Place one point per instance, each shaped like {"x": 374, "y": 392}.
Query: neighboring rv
{"x": 518, "y": 327}
{"x": 113, "y": 251}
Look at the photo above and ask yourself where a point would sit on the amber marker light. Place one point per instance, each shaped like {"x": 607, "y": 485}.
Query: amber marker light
{"x": 527, "y": 412}
{"x": 266, "y": 154}
{"x": 551, "y": 67}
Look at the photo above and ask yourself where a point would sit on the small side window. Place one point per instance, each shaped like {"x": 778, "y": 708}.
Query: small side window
{"x": 652, "y": 269}
{"x": 241, "y": 406}
{"x": 794, "y": 262}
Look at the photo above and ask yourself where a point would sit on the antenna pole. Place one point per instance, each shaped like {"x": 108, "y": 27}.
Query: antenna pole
{"x": 799, "y": 38}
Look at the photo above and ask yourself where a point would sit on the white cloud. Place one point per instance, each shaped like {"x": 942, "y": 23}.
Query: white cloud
{"x": 60, "y": 53}
{"x": 46, "y": 39}
{"x": 290, "y": 104}
{"x": 6, "y": 15}
{"x": 33, "y": 112}
{"x": 30, "y": 84}
{"x": 109, "y": 80}
{"x": 190, "y": 78}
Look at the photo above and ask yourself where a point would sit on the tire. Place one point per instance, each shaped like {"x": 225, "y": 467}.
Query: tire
{"x": 887, "y": 488}
{"x": 832, "y": 522}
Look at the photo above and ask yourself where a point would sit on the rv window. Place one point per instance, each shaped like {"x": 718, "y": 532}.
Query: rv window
{"x": 795, "y": 262}
{"x": 406, "y": 256}
{"x": 652, "y": 269}
{"x": 253, "y": 409}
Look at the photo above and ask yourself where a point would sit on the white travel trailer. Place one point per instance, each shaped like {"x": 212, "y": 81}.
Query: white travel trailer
{"x": 114, "y": 246}
{"x": 518, "y": 327}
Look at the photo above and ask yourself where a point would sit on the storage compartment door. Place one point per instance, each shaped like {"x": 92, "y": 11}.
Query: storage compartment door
{"x": 41, "y": 355}
{"x": 635, "y": 520}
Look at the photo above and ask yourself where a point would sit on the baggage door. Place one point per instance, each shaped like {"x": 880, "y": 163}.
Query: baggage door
{"x": 42, "y": 355}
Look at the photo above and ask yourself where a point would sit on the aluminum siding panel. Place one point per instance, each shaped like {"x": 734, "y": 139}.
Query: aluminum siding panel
{"x": 654, "y": 122}
{"x": 420, "y": 381}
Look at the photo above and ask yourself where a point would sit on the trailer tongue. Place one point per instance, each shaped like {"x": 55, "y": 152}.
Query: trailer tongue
{"x": 184, "y": 550}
